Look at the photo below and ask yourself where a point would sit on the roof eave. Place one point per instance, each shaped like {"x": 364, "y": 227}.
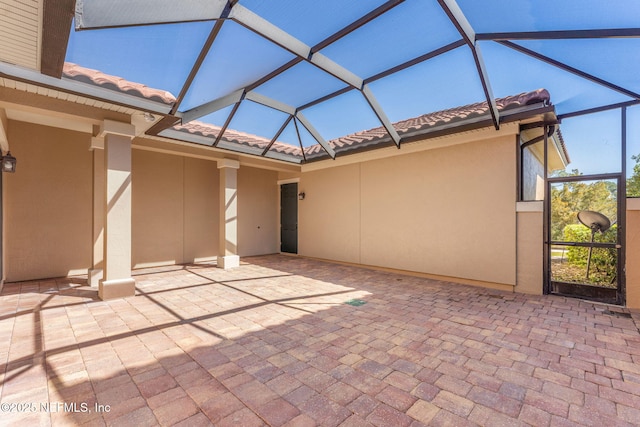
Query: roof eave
{"x": 81, "y": 89}
{"x": 232, "y": 146}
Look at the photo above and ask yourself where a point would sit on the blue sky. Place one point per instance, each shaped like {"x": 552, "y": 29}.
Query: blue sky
{"x": 161, "y": 56}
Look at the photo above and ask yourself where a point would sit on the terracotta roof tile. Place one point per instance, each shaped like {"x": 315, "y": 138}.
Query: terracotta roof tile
{"x": 360, "y": 139}
{"x": 211, "y": 131}
{"x": 372, "y": 136}
{"x": 430, "y": 120}
{"x": 98, "y": 78}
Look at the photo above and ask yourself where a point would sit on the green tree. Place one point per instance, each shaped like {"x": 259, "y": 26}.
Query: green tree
{"x": 603, "y": 260}
{"x": 633, "y": 183}
{"x": 569, "y": 198}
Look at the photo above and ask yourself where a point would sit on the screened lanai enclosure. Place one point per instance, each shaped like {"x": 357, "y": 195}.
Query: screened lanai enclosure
{"x": 304, "y": 82}
{"x": 291, "y": 69}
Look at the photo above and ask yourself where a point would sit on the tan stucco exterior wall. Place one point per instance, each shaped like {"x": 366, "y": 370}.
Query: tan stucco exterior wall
{"x": 633, "y": 254}
{"x": 448, "y": 211}
{"x": 329, "y": 217}
{"x": 47, "y": 203}
{"x": 174, "y": 209}
{"x": 175, "y": 216}
{"x": 530, "y": 246}
{"x": 258, "y": 222}
{"x": 201, "y": 214}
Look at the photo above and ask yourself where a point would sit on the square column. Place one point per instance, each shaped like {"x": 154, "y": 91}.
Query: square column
{"x": 117, "y": 281}
{"x": 228, "y": 246}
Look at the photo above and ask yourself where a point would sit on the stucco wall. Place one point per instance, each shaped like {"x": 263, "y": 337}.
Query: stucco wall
{"x": 174, "y": 209}
{"x": 447, "y": 211}
{"x": 201, "y": 209}
{"x": 47, "y": 203}
{"x": 329, "y": 217}
{"x": 530, "y": 246}
{"x": 257, "y": 211}
{"x": 633, "y": 253}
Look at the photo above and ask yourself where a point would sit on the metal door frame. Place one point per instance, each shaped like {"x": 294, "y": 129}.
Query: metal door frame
{"x": 620, "y": 292}
{"x": 622, "y": 200}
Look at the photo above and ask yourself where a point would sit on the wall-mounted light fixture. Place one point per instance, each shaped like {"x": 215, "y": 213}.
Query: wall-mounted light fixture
{"x": 301, "y": 196}
{"x": 8, "y": 163}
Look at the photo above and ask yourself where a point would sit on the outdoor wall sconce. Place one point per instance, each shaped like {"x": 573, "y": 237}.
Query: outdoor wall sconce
{"x": 8, "y": 163}
{"x": 301, "y": 196}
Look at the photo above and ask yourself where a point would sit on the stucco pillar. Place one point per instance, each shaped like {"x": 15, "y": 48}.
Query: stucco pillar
{"x": 96, "y": 271}
{"x": 228, "y": 245}
{"x": 633, "y": 253}
{"x": 117, "y": 281}
{"x": 529, "y": 247}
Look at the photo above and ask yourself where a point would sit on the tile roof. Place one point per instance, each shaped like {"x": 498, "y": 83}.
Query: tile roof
{"x": 375, "y": 136}
{"x": 433, "y": 120}
{"x": 356, "y": 141}
{"x": 235, "y": 137}
{"x": 98, "y": 78}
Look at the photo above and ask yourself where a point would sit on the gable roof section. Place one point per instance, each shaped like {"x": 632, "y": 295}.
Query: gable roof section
{"x": 427, "y": 125}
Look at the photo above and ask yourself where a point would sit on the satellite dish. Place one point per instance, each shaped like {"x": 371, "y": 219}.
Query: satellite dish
{"x": 596, "y": 222}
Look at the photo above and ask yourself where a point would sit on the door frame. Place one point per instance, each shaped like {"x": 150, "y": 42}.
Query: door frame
{"x": 622, "y": 196}
{"x": 602, "y": 296}
{"x": 280, "y": 184}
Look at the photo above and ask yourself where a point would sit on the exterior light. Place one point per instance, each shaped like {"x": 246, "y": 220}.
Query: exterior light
{"x": 8, "y": 163}
{"x": 301, "y": 196}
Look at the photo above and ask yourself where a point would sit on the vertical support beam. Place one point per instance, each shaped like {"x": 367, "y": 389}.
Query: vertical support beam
{"x": 117, "y": 281}
{"x": 96, "y": 271}
{"x": 622, "y": 213}
{"x": 228, "y": 246}
{"x": 546, "y": 224}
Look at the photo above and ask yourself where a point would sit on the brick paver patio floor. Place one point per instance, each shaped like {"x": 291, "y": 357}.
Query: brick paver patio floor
{"x": 274, "y": 343}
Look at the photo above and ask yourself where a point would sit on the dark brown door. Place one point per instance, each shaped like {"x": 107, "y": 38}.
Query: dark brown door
{"x": 289, "y": 218}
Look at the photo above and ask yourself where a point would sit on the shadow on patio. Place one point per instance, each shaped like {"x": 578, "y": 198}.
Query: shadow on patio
{"x": 274, "y": 343}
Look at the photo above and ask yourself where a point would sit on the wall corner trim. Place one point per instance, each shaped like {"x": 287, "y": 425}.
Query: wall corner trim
{"x": 116, "y": 128}
{"x": 96, "y": 143}
{"x": 228, "y": 163}
{"x": 633, "y": 204}
{"x": 535, "y": 206}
